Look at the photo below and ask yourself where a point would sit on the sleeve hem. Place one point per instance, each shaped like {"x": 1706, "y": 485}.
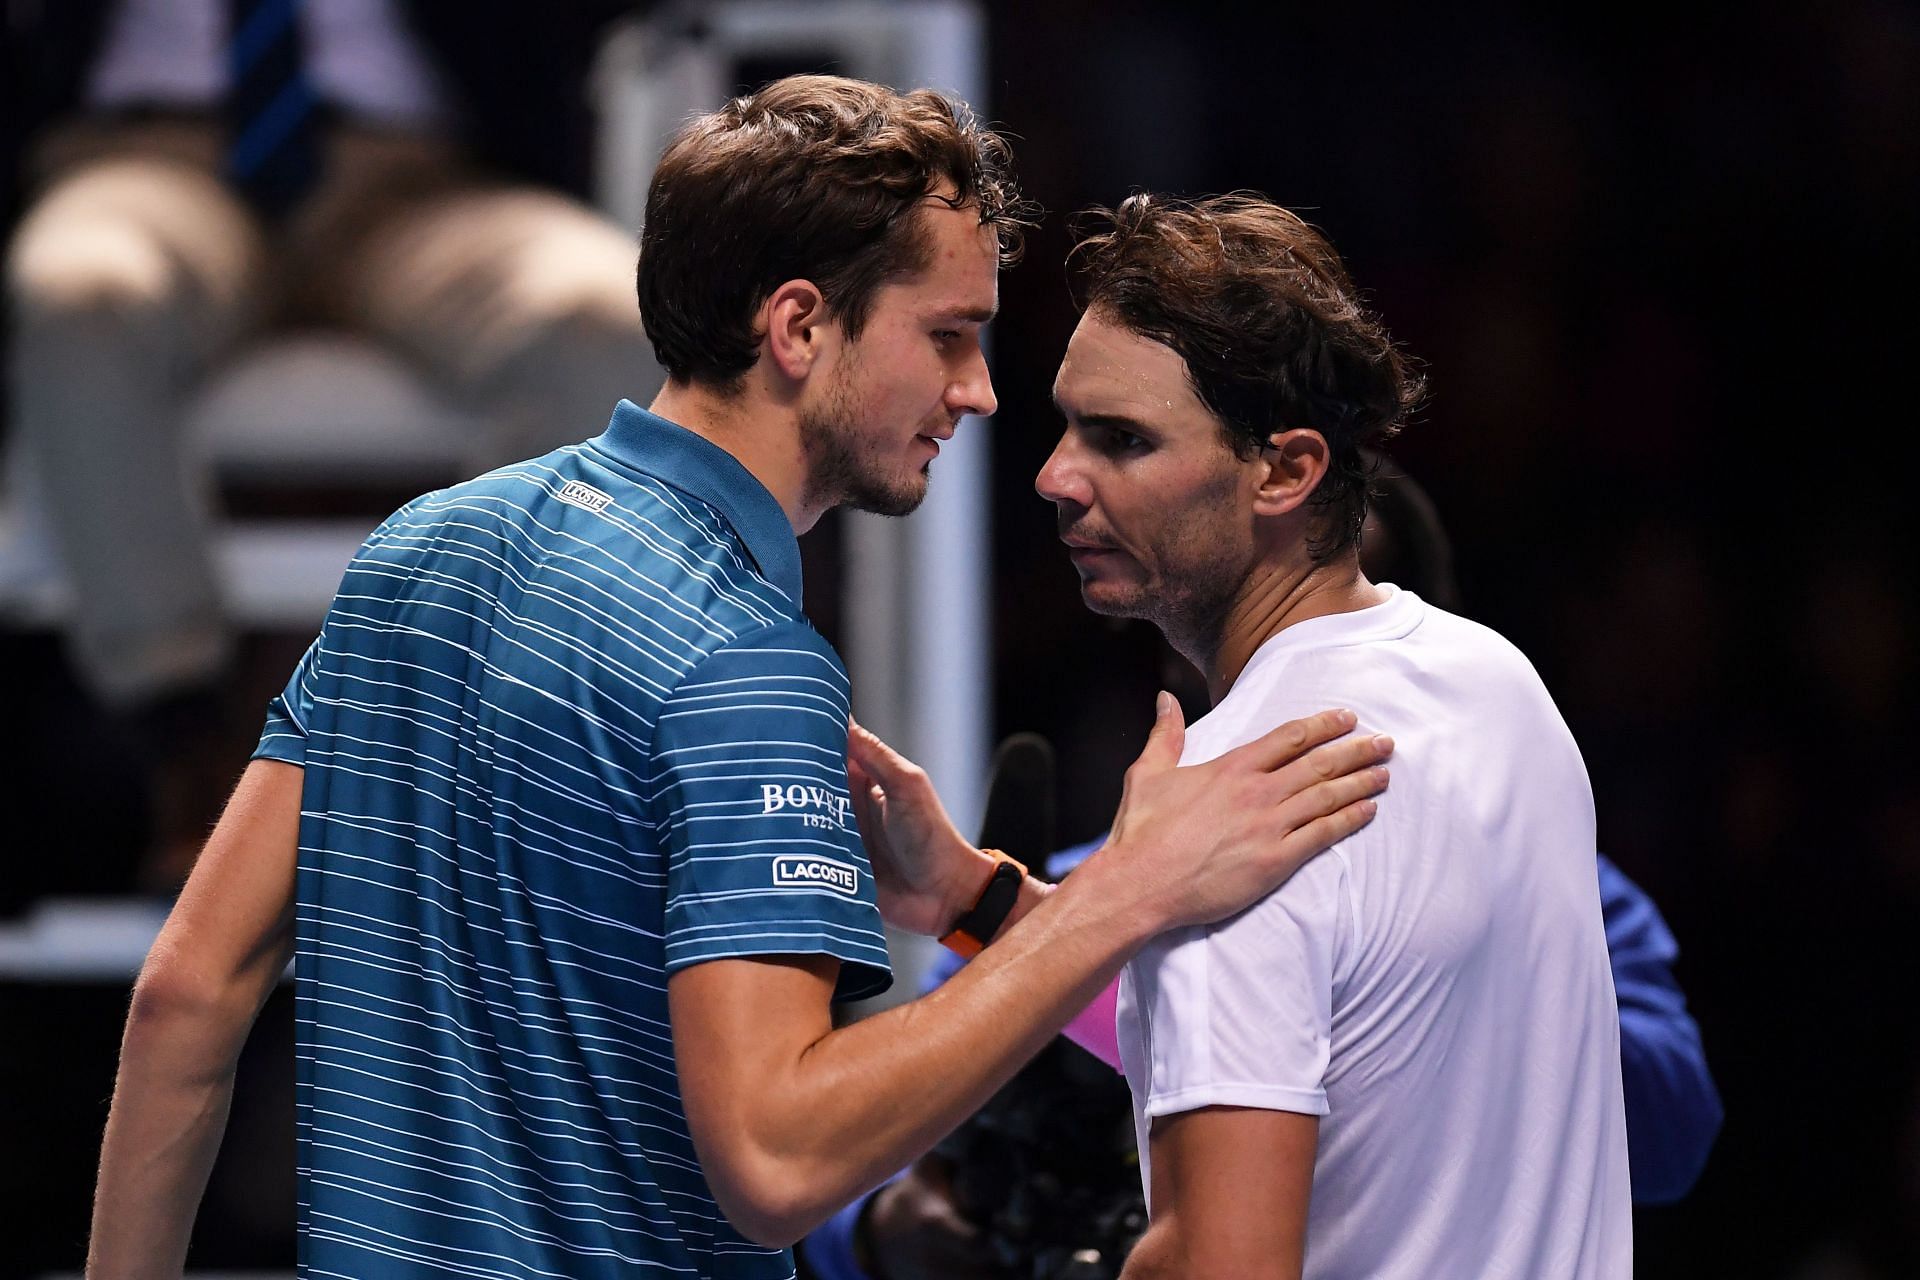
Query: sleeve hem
{"x": 861, "y": 974}
{"x": 1308, "y": 1102}
{"x": 284, "y": 752}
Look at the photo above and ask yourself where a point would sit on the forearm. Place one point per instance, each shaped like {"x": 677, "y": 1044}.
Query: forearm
{"x": 169, "y": 1111}
{"x": 220, "y": 954}
{"x": 861, "y": 1101}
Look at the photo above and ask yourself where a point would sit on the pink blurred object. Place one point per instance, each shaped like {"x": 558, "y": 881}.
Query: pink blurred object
{"x": 1093, "y": 1027}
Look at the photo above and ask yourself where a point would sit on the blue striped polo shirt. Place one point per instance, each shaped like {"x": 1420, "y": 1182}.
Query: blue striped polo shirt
{"x": 566, "y": 731}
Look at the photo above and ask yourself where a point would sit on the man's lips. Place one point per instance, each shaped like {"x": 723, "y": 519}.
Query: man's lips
{"x": 1082, "y": 552}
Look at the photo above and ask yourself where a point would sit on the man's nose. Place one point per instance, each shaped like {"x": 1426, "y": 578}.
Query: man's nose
{"x": 972, "y": 392}
{"x": 1061, "y": 479}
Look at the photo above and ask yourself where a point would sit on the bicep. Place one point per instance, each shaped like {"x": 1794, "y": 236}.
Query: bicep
{"x": 1230, "y": 1190}
{"x": 738, "y": 1026}
{"x": 231, "y": 933}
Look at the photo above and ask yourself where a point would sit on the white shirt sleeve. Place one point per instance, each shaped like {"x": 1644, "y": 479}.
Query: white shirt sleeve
{"x": 1241, "y": 1013}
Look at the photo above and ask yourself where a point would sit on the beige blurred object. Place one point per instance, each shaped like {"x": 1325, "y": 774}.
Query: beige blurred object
{"x": 412, "y": 324}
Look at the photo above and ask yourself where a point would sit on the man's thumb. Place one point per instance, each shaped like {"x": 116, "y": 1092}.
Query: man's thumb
{"x": 1169, "y": 736}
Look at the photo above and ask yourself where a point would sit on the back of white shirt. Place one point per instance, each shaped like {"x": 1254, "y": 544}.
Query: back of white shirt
{"x": 1436, "y": 986}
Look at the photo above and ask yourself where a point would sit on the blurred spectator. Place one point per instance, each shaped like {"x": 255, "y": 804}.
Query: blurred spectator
{"x": 212, "y": 168}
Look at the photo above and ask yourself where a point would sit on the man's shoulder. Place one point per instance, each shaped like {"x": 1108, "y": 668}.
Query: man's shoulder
{"x": 1447, "y": 688}
{"x": 668, "y": 548}
{"x": 779, "y": 656}
{"x": 1473, "y": 645}
{"x": 1448, "y": 658}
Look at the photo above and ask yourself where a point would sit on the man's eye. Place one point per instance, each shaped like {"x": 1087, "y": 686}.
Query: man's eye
{"x": 1123, "y": 441}
{"x": 946, "y": 335}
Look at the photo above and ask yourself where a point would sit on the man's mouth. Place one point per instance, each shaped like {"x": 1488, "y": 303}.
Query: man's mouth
{"x": 1084, "y": 550}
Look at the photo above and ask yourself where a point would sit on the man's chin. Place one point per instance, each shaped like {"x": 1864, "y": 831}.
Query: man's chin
{"x": 894, "y": 500}
{"x": 1110, "y": 600}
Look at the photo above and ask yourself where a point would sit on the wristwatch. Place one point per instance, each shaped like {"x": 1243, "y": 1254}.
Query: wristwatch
{"x": 977, "y": 925}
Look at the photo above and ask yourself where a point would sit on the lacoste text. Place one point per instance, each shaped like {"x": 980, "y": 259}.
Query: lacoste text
{"x": 791, "y": 869}
{"x": 585, "y": 495}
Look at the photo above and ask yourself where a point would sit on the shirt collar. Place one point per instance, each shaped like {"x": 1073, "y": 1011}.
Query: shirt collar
{"x": 666, "y": 451}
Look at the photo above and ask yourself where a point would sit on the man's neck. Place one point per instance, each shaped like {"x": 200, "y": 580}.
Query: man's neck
{"x": 1277, "y": 597}
{"x": 762, "y": 437}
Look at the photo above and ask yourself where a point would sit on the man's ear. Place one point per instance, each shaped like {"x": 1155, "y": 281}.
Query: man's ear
{"x": 1293, "y": 464}
{"x": 794, "y": 318}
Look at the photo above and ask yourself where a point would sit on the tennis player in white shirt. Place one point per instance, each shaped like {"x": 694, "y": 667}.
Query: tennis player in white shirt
{"x": 1404, "y": 1064}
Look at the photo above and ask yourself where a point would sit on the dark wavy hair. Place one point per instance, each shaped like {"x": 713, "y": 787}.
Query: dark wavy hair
{"x": 1274, "y": 335}
{"x": 815, "y": 178}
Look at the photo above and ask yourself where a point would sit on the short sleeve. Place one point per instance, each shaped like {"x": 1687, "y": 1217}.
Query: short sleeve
{"x": 290, "y": 712}
{"x": 1241, "y": 1013}
{"x": 754, "y": 812}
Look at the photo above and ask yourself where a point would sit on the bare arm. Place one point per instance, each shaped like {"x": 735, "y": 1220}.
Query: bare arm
{"x": 217, "y": 959}
{"x": 793, "y": 1118}
{"x": 1230, "y": 1194}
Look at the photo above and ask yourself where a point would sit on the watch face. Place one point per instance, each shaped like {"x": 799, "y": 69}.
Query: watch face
{"x": 996, "y": 900}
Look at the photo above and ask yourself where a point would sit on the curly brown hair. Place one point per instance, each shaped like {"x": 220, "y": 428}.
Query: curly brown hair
{"x": 1273, "y": 332}
{"x": 816, "y": 178}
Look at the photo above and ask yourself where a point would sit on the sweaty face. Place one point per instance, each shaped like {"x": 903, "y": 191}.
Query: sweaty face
{"x": 873, "y": 425}
{"x": 1153, "y": 503}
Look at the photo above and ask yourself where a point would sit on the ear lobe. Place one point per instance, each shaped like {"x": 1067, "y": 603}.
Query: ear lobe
{"x": 1294, "y": 463}
{"x": 793, "y": 316}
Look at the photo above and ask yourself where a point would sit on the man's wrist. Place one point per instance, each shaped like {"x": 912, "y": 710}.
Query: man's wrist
{"x": 1130, "y": 915}
{"x": 972, "y": 869}
{"x": 991, "y": 908}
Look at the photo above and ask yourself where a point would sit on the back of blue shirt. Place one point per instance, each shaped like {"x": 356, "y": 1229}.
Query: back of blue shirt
{"x": 565, "y": 732}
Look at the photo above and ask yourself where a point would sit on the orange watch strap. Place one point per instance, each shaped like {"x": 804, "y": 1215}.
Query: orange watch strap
{"x": 965, "y": 938}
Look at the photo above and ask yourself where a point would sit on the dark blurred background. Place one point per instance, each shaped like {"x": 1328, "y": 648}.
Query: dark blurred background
{"x": 1659, "y": 271}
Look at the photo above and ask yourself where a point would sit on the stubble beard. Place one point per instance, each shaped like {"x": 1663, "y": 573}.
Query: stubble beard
{"x": 1199, "y": 579}
{"x": 846, "y": 469}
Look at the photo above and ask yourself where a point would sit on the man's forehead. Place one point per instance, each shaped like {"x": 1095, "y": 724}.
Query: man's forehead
{"x": 1110, "y": 366}
{"x": 961, "y": 278}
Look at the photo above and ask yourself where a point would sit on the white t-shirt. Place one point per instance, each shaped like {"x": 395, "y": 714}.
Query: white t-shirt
{"x": 1435, "y": 987}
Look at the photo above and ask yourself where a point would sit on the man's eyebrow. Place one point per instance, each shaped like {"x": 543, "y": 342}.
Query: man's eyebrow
{"x": 967, "y": 313}
{"x": 1111, "y": 421}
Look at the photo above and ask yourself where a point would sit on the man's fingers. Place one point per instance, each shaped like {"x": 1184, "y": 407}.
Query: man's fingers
{"x": 1294, "y": 739}
{"x": 881, "y": 762}
{"x": 1332, "y": 759}
{"x": 1331, "y": 796}
{"x": 1325, "y": 832}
